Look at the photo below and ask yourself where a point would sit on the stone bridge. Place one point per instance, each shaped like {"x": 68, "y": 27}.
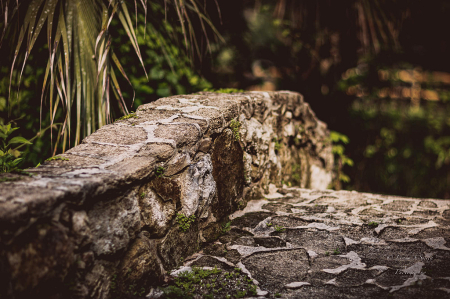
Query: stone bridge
{"x": 189, "y": 198}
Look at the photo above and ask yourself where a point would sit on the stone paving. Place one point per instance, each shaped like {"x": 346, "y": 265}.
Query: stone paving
{"x": 301, "y": 243}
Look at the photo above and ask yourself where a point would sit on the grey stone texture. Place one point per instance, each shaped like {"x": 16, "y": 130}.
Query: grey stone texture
{"x": 303, "y": 243}
{"x": 111, "y": 215}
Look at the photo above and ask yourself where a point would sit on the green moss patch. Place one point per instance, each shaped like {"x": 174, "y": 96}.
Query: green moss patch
{"x": 216, "y": 283}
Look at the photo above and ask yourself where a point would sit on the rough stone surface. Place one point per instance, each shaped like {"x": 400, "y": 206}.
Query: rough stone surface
{"x": 107, "y": 217}
{"x": 341, "y": 251}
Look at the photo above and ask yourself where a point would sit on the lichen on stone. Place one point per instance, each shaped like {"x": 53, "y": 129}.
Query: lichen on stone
{"x": 128, "y": 116}
{"x": 235, "y": 125}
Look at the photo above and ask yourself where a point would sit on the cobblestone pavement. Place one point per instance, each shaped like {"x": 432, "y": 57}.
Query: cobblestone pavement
{"x": 301, "y": 243}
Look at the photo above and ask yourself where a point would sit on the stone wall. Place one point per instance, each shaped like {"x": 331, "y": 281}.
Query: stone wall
{"x": 114, "y": 214}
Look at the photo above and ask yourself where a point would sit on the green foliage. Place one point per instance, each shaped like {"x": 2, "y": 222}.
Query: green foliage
{"x": 336, "y": 251}
{"x": 160, "y": 171}
{"x": 161, "y": 47}
{"x": 235, "y": 125}
{"x": 277, "y": 144}
{"x": 142, "y": 195}
{"x": 340, "y": 159}
{"x": 226, "y": 227}
{"x": 279, "y": 228}
{"x": 170, "y": 68}
{"x": 400, "y": 147}
{"x": 82, "y": 64}
{"x": 296, "y": 174}
{"x": 184, "y": 223}
{"x": 374, "y": 223}
{"x": 9, "y": 158}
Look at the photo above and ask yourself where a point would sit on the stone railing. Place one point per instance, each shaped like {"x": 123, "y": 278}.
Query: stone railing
{"x": 115, "y": 213}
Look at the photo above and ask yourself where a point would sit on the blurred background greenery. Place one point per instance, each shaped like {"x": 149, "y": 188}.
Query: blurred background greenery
{"x": 375, "y": 71}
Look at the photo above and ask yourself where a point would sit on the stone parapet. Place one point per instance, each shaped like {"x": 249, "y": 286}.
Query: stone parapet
{"x": 114, "y": 214}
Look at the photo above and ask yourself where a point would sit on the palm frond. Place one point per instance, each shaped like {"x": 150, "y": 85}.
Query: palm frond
{"x": 80, "y": 70}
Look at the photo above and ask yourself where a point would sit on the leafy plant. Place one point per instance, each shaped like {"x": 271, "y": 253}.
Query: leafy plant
{"x": 184, "y": 223}
{"x": 336, "y": 251}
{"x": 9, "y": 157}
{"x": 80, "y": 76}
{"x": 340, "y": 159}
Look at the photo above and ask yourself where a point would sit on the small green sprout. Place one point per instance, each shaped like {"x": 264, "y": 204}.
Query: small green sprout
{"x": 226, "y": 227}
{"x": 336, "y": 251}
{"x": 252, "y": 290}
{"x": 160, "y": 171}
{"x": 277, "y": 144}
{"x": 241, "y": 205}
{"x": 277, "y": 295}
{"x": 279, "y": 228}
{"x": 184, "y": 222}
{"x": 327, "y": 253}
{"x": 241, "y": 294}
{"x": 373, "y": 223}
{"x": 142, "y": 195}
{"x": 269, "y": 224}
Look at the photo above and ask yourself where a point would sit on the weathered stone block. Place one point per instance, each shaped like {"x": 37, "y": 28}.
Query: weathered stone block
{"x": 104, "y": 219}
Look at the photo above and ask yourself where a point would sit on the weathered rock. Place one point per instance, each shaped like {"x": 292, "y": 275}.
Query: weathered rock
{"x": 177, "y": 245}
{"x": 114, "y": 223}
{"x": 117, "y": 201}
{"x": 199, "y": 188}
{"x": 140, "y": 267}
{"x": 156, "y": 213}
{"x": 228, "y": 172}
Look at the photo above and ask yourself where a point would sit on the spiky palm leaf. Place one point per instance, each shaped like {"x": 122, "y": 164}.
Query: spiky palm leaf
{"x": 80, "y": 69}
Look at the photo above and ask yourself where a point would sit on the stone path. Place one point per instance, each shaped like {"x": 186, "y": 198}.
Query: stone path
{"x": 300, "y": 243}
